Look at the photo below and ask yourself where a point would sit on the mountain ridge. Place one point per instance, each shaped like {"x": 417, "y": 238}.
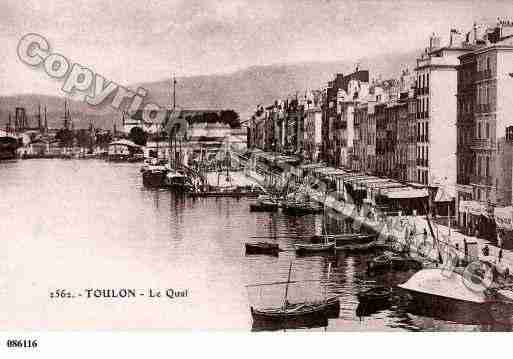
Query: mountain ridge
{"x": 241, "y": 90}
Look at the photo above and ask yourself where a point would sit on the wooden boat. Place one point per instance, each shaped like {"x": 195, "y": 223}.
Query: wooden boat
{"x": 264, "y": 203}
{"x": 297, "y": 310}
{"x": 293, "y": 312}
{"x": 154, "y": 176}
{"x": 376, "y": 294}
{"x": 301, "y": 208}
{"x": 8, "y": 146}
{"x": 235, "y": 193}
{"x": 176, "y": 180}
{"x": 345, "y": 238}
{"x": 262, "y": 248}
{"x": 314, "y": 247}
{"x": 294, "y": 323}
{"x": 358, "y": 248}
{"x": 392, "y": 261}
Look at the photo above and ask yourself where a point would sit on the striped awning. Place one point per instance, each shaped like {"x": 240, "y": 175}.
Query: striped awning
{"x": 403, "y": 193}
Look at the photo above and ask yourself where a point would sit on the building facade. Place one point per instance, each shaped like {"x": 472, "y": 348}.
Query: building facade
{"x": 485, "y": 108}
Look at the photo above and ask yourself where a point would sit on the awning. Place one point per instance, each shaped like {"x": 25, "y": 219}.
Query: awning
{"x": 444, "y": 194}
{"x": 504, "y": 217}
{"x": 406, "y": 193}
{"x": 473, "y": 207}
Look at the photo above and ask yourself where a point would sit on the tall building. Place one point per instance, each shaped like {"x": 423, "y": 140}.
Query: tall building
{"x": 313, "y": 126}
{"x": 435, "y": 89}
{"x": 485, "y": 108}
{"x": 342, "y": 96}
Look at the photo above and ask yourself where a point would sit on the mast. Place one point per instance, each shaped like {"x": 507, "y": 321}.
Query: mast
{"x": 287, "y": 287}
{"x": 39, "y": 117}
{"x": 326, "y": 285}
{"x": 174, "y": 92}
{"x": 46, "y": 122}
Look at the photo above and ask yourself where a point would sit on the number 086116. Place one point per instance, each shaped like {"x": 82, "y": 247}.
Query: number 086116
{"x": 22, "y": 343}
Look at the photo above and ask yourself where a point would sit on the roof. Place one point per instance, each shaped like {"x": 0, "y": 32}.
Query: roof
{"x": 124, "y": 142}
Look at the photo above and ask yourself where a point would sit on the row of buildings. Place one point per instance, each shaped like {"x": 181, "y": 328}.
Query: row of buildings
{"x": 445, "y": 124}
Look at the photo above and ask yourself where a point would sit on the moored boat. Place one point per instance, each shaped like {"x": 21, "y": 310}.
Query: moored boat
{"x": 393, "y": 261}
{"x": 301, "y": 208}
{"x": 154, "y": 176}
{"x": 376, "y": 294}
{"x": 289, "y": 314}
{"x": 177, "y": 181}
{"x": 314, "y": 247}
{"x": 262, "y": 248}
{"x": 298, "y": 310}
{"x": 344, "y": 238}
{"x": 264, "y": 203}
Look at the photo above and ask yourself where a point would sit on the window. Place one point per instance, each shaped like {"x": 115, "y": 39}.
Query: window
{"x": 479, "y": 130}
{"x": 487, "y": 172}
{"x": 487, "y": 130}
{"x": 427, "y": 80}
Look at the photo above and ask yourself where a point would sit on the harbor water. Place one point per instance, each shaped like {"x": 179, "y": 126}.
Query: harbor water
{"x": 89, "y": 226}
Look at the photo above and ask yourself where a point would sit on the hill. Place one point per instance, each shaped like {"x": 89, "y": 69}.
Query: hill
{"x": 241, "y": 90}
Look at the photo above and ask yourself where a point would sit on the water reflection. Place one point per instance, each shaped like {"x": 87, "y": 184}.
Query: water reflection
{"x": 77, "y": 224}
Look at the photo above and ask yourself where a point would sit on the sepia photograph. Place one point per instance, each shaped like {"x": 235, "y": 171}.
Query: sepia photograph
{"x": 284, "y": 166}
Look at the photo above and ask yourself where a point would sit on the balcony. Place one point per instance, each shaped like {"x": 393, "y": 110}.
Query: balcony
{"x": 483, "y": 75}
{"x": 482, "y": 180}
{"x": 481, "y": 144}
{"x": 422, "y": 162}
{"x": 483, "y": 107}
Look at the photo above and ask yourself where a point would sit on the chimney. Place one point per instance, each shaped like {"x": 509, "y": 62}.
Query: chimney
{"x": 434, "y": 42}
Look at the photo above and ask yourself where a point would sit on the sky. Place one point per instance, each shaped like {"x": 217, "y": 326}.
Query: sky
{"x": 140, "y": 41}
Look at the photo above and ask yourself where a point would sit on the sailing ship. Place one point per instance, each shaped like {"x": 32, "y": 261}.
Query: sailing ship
{"x": 289, "y": 314}
{"x": 326, "y": 246}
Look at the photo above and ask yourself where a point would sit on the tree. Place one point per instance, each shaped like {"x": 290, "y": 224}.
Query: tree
{"x": 138, "y": 136}
{"x": 231, "y": 118}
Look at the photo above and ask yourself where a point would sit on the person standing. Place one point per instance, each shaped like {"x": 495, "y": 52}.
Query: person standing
{"x": 499, "y": 239}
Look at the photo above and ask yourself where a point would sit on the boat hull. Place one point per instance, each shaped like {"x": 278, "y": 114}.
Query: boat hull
{"x": 263, "y": 207}
{"x": 300, "y": 210}
{"x": 325, "y": 309}
{"x": 153, "y": 179}
{"x": 268, "y": 248}
{"x": 314, "y": 248}
{"x": 374, "y": 295}
{"x": 450, "y": 309}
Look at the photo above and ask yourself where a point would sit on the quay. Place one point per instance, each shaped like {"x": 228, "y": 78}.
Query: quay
{"x": 402, "y": 230}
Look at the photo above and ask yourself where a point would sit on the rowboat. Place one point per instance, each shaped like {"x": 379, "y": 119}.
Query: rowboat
{"x": 314, "y": 247}
{"x": 154, "y": 176}
{"x": 301, "y": 208}
{"x": 264, "y": 204}
{"x": 297, "y": 310}
{"x": 289, "y": 314}
{"x": 358, "y": 248}
{"x": 389, "y": 260}
{"x": 262, "y": 248}
{"x": 376, "y": 294}
{"x": 344, "y": 238}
